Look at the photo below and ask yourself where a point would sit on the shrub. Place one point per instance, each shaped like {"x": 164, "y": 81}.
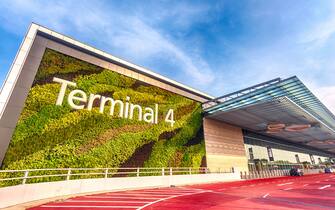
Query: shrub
{"x": 50, "y": 136}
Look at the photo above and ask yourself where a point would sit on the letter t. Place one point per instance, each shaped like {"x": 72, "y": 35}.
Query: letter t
{"x": 62, "y": 89}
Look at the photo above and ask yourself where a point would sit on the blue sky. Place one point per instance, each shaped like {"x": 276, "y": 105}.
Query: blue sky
{"x": 214, "y": 46}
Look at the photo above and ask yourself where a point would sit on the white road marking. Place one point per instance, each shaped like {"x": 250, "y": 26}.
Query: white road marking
{"x": 104, "y": 201}
{"x": 112, "y": 207}
{"x": 285, "y": 184}
{"x": 266, "y": 195}
{"x": 326, "y": 186}
{"x": 187, "y": 188}
{"x": 327, "y": 180}
{"x": 305, "y": 185}
{"x": 169, "y": 191}
{"x": 252, "y": 185}
{"x": 317, "y": 182}
{"x": 151, "y": 193}
{"x": 140, "y": 194}
{"x": 175, "y": 191}
{"x": 175, "y": 196}
{"x": 142, "y": 198}
{"x": 288, "y": 188}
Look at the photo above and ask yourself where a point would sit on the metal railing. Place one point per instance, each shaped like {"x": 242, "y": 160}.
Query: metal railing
{"x": 267, "y": 170}
{"x": 263, "y": 174}
{"x": 16, "y": 177}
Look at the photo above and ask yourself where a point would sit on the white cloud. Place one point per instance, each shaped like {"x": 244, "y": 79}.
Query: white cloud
{"x": 318, "y": 35}
{"x": 327, "y": 96}
{"x": 116, "y": 29}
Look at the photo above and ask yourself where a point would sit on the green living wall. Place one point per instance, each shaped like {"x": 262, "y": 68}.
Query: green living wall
{"x": 51, "y": 136}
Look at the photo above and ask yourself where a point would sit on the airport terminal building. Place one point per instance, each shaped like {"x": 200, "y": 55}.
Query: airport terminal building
{"x": 65, "y": 104}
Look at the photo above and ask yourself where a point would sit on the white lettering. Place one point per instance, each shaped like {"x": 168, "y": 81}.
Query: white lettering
{"x": 62, "y": 89}
{"x": 139, "y": 108}
{"x": 72, "y": 97}
{"x": 149, "y": 115}
{"x": 77, "y": 99}
{"x": 91, "y": 100}
{"x": 127, "y": 107}
{"x": 169, "y": 117}
{"x": 113, "y": 102}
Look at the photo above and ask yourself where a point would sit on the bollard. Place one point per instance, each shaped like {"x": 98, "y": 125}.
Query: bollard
{"x": 163, "y": 172}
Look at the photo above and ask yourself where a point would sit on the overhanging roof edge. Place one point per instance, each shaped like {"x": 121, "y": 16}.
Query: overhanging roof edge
{"x": 79, "y": 44}
{"x": 291, "y": 87}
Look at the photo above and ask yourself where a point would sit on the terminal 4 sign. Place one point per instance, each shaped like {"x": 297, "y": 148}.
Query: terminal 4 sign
{"x": 126, "y": 109}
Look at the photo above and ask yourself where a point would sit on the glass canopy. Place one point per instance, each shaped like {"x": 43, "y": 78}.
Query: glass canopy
{"x": 291, "y": 88}
{"x": 285, "y": 109}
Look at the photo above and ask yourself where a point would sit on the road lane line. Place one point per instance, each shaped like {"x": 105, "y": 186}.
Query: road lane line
{"x": 266, "y": 195}
{"x": 140, "y": 194}
{"x": 111, "y": 207}
{"x": 288, "y": 188}
{"x": 165, "y": 191}
{"x": 305, "y": 185}
{"x": 104, "y": 201}
{"x": 140, "y": 198}
{"x": 317, "y": 182}
{"x": 175, "y": 191}
{"x": 324, "y": 187}
{"x": 175, "y": 196}
{"x": 144, "y": 192}
{"x": 285, "y": 184}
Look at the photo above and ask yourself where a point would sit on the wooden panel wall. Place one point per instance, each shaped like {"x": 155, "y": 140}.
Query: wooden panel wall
{"x": 224, "y": 145}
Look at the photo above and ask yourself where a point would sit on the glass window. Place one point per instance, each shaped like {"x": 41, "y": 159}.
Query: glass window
{"x": 297, "y": 158}
{"x": 270, "y": 154}
{"x": 251, "y": 153}
{"x": 312, "y": 159}
{"x": 320, "y": 161}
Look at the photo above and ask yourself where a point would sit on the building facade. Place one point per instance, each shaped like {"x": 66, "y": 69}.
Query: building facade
{"x": 66, "y": 104}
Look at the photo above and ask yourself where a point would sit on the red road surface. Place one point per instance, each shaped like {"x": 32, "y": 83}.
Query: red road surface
{"x": 308, "y": 192}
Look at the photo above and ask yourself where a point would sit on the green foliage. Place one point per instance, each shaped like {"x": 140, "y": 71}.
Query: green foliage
{"x": 163, "y": 152}
{"x": 50, "y": 136}
{"x": 39, "y": 96}
{"x": 106, "y": 77}
{"x": 34, "y": 124}
{"x": 55, "y": 63}
{"x": 193, "y": 155}
{"x": 142, "y": 98}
